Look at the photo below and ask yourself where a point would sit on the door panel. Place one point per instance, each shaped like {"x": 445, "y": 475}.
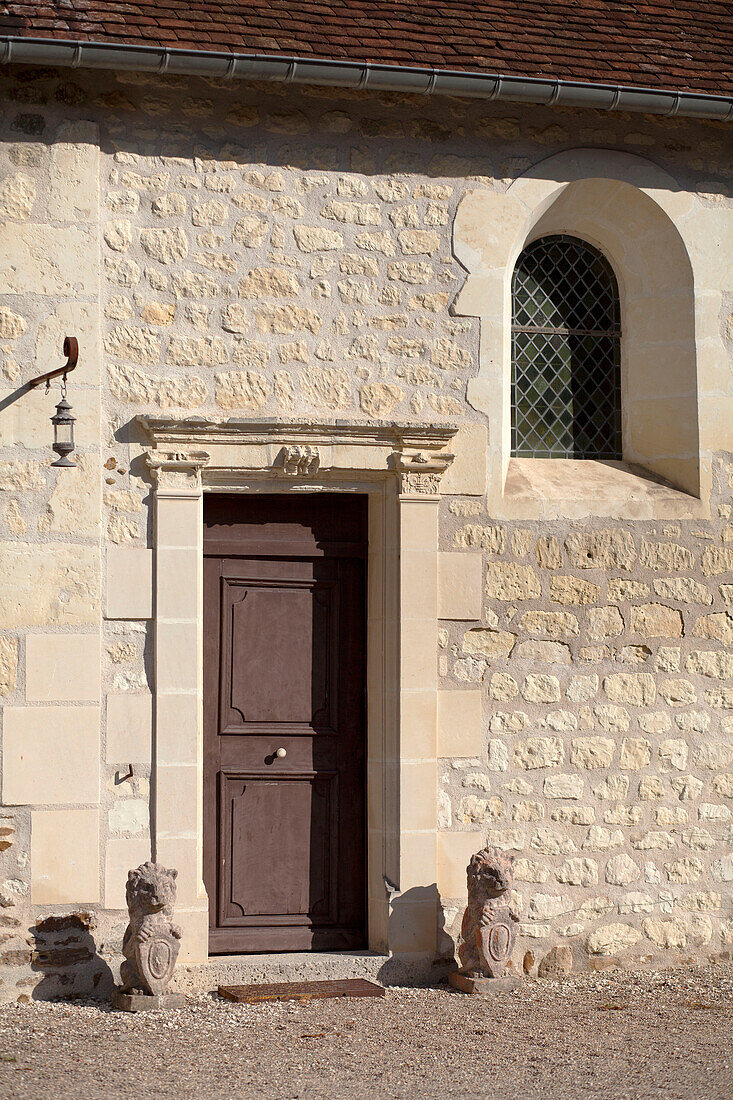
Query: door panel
{"x": 283, "y": 675}
{"x": 256, "y": 814}
{"x": 284, "y": 668}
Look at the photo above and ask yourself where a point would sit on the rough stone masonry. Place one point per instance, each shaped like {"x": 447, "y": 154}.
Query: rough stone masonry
{"x": 253, "y": 251}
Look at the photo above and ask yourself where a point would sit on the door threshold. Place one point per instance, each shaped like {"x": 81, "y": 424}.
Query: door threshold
{"x": 291, "y": 966}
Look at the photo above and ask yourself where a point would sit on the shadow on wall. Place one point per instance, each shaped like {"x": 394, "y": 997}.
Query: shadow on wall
{"x": 315, "y": 128}
{"x": 65, "y": 952}
{"x": 417, "y": 915}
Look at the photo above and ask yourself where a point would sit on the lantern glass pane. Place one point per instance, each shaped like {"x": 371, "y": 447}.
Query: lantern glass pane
{"x": 63, "y": 432}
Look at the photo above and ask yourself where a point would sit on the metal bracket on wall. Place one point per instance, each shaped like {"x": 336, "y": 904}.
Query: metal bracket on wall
{"x": 71, "y": 351}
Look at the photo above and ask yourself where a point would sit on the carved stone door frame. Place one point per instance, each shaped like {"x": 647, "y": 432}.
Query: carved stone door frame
{"x": 399, "y": 467}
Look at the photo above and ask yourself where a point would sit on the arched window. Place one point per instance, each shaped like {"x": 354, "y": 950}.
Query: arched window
{"x": 566, "y": 336}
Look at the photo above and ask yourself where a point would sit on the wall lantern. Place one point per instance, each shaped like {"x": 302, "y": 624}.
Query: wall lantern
{"x": 63, "y": 422}
{"x": 63, "y": 430}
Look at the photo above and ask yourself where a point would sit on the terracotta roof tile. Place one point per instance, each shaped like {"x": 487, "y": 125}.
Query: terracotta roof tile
{"x": 657, "y": 43}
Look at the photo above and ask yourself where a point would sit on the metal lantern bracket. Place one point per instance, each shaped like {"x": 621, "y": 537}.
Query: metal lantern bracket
{"x": 71, "y": 351}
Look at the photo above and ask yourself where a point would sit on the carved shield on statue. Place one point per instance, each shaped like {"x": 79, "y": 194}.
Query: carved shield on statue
{"x": 496, "y": 943}
{"x": 157, "y": 961}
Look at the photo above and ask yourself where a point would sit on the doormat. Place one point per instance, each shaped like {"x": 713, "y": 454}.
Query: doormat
{"x": 300, "y": 991}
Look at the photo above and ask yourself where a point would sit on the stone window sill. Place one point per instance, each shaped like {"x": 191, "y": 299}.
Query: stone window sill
{"x": 553, "y": 488}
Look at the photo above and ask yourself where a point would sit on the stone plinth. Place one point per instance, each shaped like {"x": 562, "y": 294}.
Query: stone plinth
{"x": 460, "y": 980}
{"x": 145, "y": 1002}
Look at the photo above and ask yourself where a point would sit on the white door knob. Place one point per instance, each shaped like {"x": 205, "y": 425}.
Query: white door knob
{"x": 280, "y": 753}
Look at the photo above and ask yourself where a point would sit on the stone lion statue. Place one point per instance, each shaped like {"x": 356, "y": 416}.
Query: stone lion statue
{"x": 151, "y": 941}
{"x": 489, "y": 924}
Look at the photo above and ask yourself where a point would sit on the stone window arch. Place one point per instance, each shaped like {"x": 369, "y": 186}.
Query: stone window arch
{"x": 664, "y": 245}
{"x": 566, "y": 348}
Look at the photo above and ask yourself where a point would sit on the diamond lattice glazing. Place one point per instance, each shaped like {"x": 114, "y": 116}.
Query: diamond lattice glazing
{"x": 566, "y": 378}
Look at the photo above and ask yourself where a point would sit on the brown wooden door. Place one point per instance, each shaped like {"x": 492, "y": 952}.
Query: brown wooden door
{"x": 284, "y": 668}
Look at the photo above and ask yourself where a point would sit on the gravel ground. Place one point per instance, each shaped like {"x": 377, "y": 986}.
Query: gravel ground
{"x": 611, "y": 1035}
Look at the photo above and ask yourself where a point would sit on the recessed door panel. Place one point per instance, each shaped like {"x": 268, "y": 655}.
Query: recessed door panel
{"x": 285, "y": 722}
{"x": 256, "y": 814}
{"x": 277, "y": 649}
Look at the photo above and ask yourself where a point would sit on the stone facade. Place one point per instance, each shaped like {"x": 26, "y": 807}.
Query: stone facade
{"x": 600, "y": 658}
{"x": 235, "y": 251}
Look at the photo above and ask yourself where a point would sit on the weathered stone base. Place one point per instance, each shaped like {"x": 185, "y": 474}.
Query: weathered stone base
{"x": 459, "y": 980}
{"x": 144, "y": 1002}
{"x": 297, "y": 966}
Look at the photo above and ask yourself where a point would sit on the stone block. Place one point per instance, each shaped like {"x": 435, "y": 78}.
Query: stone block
{"x": 454, "y": 853}
{"x": 557, "y": 963}
{"x": 167, "y": 246}
{"x": 550, "y": 624}
{"x": 539, "y": 752}
{"x": 413, "y": 925}
{"x": 418, "y": 860}
{"x": 480, "y": 536}
{"x": 65, "y": 857}
{"x": 484, "y": 986}
{"x": 129, "y": 729}
{"x": 121, "y": 856}
{"x": 62, "y": 668}
{"x": 177, "y": 591}
{"x": 129, "y": 815}
{"x": 17, "y": 197}
{"x": 146, "y": 1002}
{"x": 73, "y": 193}
{"x": 419, "y": 583}
{"x": 178, "y": 523}
{"x": 8, "y": 664}
{"x": 133, "y": 344}
{"x": 418, "y": 663}
{"x": 656, "y": 620}
{"x": 621, "y": 870}
{"x": 176, "y": 728}
{"x": 47, "y": 260}
{"x": 539, "y": 652}
{"x": 459, "y": 723}
{"x": 184, "y": 855}
{"x": 573, "y": 590}
{"x": 480, "y": 641}
{"x": 74, "y": 506}
{"x": 634, "y": 688}
{"x": 176, "y": 801}
{"x": 129, "y": 583}
{"x": 418, "y": 724}
{"x": 50, "y": 755}
{"x": 612, "y": 939}
{"x": 459, "y": 586}
{"x": 505, "y": 580}
{"x": 418, "y": 784}
{"x": 718, "y": 625}
{"x": 467, "y": 474}
{"x": 592, "y": 752}
{"x": 136, "y": 387}
{"x": 56, "y": 583}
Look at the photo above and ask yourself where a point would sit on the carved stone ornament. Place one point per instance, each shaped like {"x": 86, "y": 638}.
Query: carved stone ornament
{"x": 173, "y": 470}
{"x": 300, "y": 461}
{"x": 421, "y": 473}
{"x": 489, "y": 925}
{"x": 151, "y": 941}
{"x": 417, "y": 453}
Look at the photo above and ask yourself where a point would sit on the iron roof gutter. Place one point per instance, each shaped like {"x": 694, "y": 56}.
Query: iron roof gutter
{"x": 363, "y": 75}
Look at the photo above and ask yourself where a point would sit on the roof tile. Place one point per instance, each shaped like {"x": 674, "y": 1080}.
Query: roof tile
{"x": 657, "y": 43}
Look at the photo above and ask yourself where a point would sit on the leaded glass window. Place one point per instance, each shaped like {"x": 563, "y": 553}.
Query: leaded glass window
{"x": 566, "y": 335}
